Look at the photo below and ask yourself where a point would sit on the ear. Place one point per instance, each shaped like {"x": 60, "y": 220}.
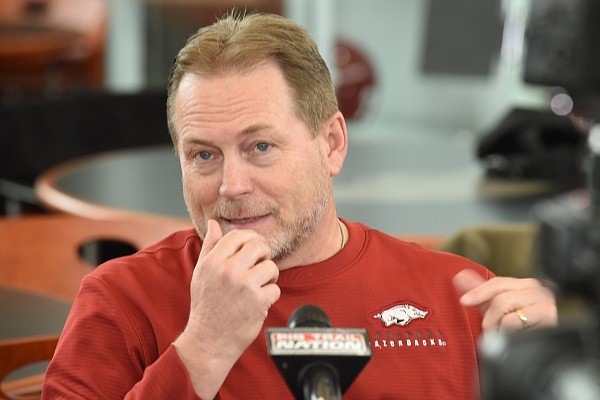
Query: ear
{"x": 335, "y": 136}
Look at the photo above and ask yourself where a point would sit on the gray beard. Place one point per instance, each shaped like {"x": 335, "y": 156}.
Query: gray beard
{"x": 289, "y": 236}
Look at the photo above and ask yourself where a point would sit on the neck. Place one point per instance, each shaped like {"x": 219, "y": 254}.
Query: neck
{"x": 343, "y": 233}
{"x": 330, "y": 238}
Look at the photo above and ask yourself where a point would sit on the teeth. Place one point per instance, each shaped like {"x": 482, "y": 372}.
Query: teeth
{"x": 242, "y": 221}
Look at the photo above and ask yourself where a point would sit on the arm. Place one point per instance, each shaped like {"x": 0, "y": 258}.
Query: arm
{"x": 232, "y": 289}
{"x": 111, "y": 348}
{"x": 101, "y": 355}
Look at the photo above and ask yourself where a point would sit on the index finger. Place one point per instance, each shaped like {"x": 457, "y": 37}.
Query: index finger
{"x": 488, "y": 290}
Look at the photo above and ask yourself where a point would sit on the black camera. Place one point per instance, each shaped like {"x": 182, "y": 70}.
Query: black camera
{"x": 563, "y": 50}
{"x": 563, "y": 45}
{"x": 561, "y": 363}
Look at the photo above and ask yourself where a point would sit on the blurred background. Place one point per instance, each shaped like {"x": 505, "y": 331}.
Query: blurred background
{"x": 451, "y": 144}
{"x": 433, "y": 92}
{"x": 430, "y": 62}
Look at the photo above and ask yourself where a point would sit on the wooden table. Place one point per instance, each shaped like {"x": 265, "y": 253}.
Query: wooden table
{"x": 116, "y": 184}
{"x": 30, "y": 54}
{"x": 22, "y": 44}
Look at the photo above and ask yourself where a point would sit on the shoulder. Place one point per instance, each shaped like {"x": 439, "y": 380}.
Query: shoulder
{"x": 176, "y": 254}
{"x": 383, "y": 246}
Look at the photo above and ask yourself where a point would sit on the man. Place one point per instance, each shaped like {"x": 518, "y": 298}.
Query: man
{"x": 254, "y": 120}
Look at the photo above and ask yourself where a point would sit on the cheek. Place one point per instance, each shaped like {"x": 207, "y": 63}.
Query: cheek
{"x": 199, "y": 193}
{"x": 304, "y": 185}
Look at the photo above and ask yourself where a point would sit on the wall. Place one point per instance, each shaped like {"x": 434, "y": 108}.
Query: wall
{"x": 392, "y": 33}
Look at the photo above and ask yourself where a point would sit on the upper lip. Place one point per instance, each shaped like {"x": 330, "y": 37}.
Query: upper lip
{"x": 242, "y": 220}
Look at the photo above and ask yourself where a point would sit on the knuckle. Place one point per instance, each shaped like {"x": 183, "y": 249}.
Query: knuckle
{"x": 532, "y": 282}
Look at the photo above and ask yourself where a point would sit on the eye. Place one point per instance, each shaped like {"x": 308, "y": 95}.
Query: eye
{"x": 262, "y": 146}
{"x": 204, "y": 155}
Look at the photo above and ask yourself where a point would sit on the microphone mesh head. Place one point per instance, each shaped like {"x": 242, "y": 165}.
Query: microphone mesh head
{"x": 309, "y": 316}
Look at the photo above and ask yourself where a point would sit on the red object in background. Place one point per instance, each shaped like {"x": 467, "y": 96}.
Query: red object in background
{"x": 355, "y": 79}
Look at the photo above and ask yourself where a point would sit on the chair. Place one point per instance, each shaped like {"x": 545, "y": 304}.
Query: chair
{"x": 44, "y": 254}
{"x": 82, "y": 65}
{"x": 53, "y": 45}
{"x": 507, "y": 249}
{"x": 16, "y": 353}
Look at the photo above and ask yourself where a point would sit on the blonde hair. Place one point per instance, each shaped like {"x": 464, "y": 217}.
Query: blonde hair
{"x": 239, "y": 42}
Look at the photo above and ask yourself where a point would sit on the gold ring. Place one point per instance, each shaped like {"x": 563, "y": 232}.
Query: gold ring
{"x": 523, "y": 318}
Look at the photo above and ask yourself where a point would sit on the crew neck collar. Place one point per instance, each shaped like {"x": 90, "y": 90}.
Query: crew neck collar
{"x": 340, "y": 261}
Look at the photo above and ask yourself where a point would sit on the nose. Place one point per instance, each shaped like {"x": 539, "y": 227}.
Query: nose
{"x": 236, "y": 180}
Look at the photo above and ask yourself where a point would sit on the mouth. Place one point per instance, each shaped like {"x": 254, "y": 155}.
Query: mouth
{"x": 245, "y": 221}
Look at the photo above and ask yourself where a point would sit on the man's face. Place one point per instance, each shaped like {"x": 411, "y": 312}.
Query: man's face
{"x": 247, "y": 161}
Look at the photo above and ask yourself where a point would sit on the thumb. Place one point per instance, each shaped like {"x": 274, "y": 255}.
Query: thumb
{"x": 212, "y": 237}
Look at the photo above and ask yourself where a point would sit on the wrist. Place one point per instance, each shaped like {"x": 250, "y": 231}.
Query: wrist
{"x": 207, "y": 366}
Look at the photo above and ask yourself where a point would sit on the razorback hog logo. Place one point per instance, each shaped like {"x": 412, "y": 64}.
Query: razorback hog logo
{"x": 401, "y": 314}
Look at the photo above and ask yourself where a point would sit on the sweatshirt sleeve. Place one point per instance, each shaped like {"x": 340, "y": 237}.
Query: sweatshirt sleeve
{"x": 102, "y": 355}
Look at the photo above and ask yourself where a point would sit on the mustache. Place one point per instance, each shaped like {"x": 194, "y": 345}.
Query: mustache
{"x": 235, "y": 209}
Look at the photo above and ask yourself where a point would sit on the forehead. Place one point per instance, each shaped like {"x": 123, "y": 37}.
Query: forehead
{"x": 262, "y": 80}
{"x": 232, "y": 96}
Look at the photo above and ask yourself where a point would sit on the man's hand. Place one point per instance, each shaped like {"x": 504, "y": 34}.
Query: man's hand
{"x": 507, "y": 303}
{"x": 232, "y": 289}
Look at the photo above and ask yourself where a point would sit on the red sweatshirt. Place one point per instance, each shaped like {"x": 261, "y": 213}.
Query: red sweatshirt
{"x": 117, "y": 340}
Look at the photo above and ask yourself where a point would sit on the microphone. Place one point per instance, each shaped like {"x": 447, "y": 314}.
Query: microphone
{"x": 316, "y": 360}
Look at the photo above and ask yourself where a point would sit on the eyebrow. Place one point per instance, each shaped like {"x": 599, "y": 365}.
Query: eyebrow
{"x": 244, "y": 132}
{"x": 254, "y": 128}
